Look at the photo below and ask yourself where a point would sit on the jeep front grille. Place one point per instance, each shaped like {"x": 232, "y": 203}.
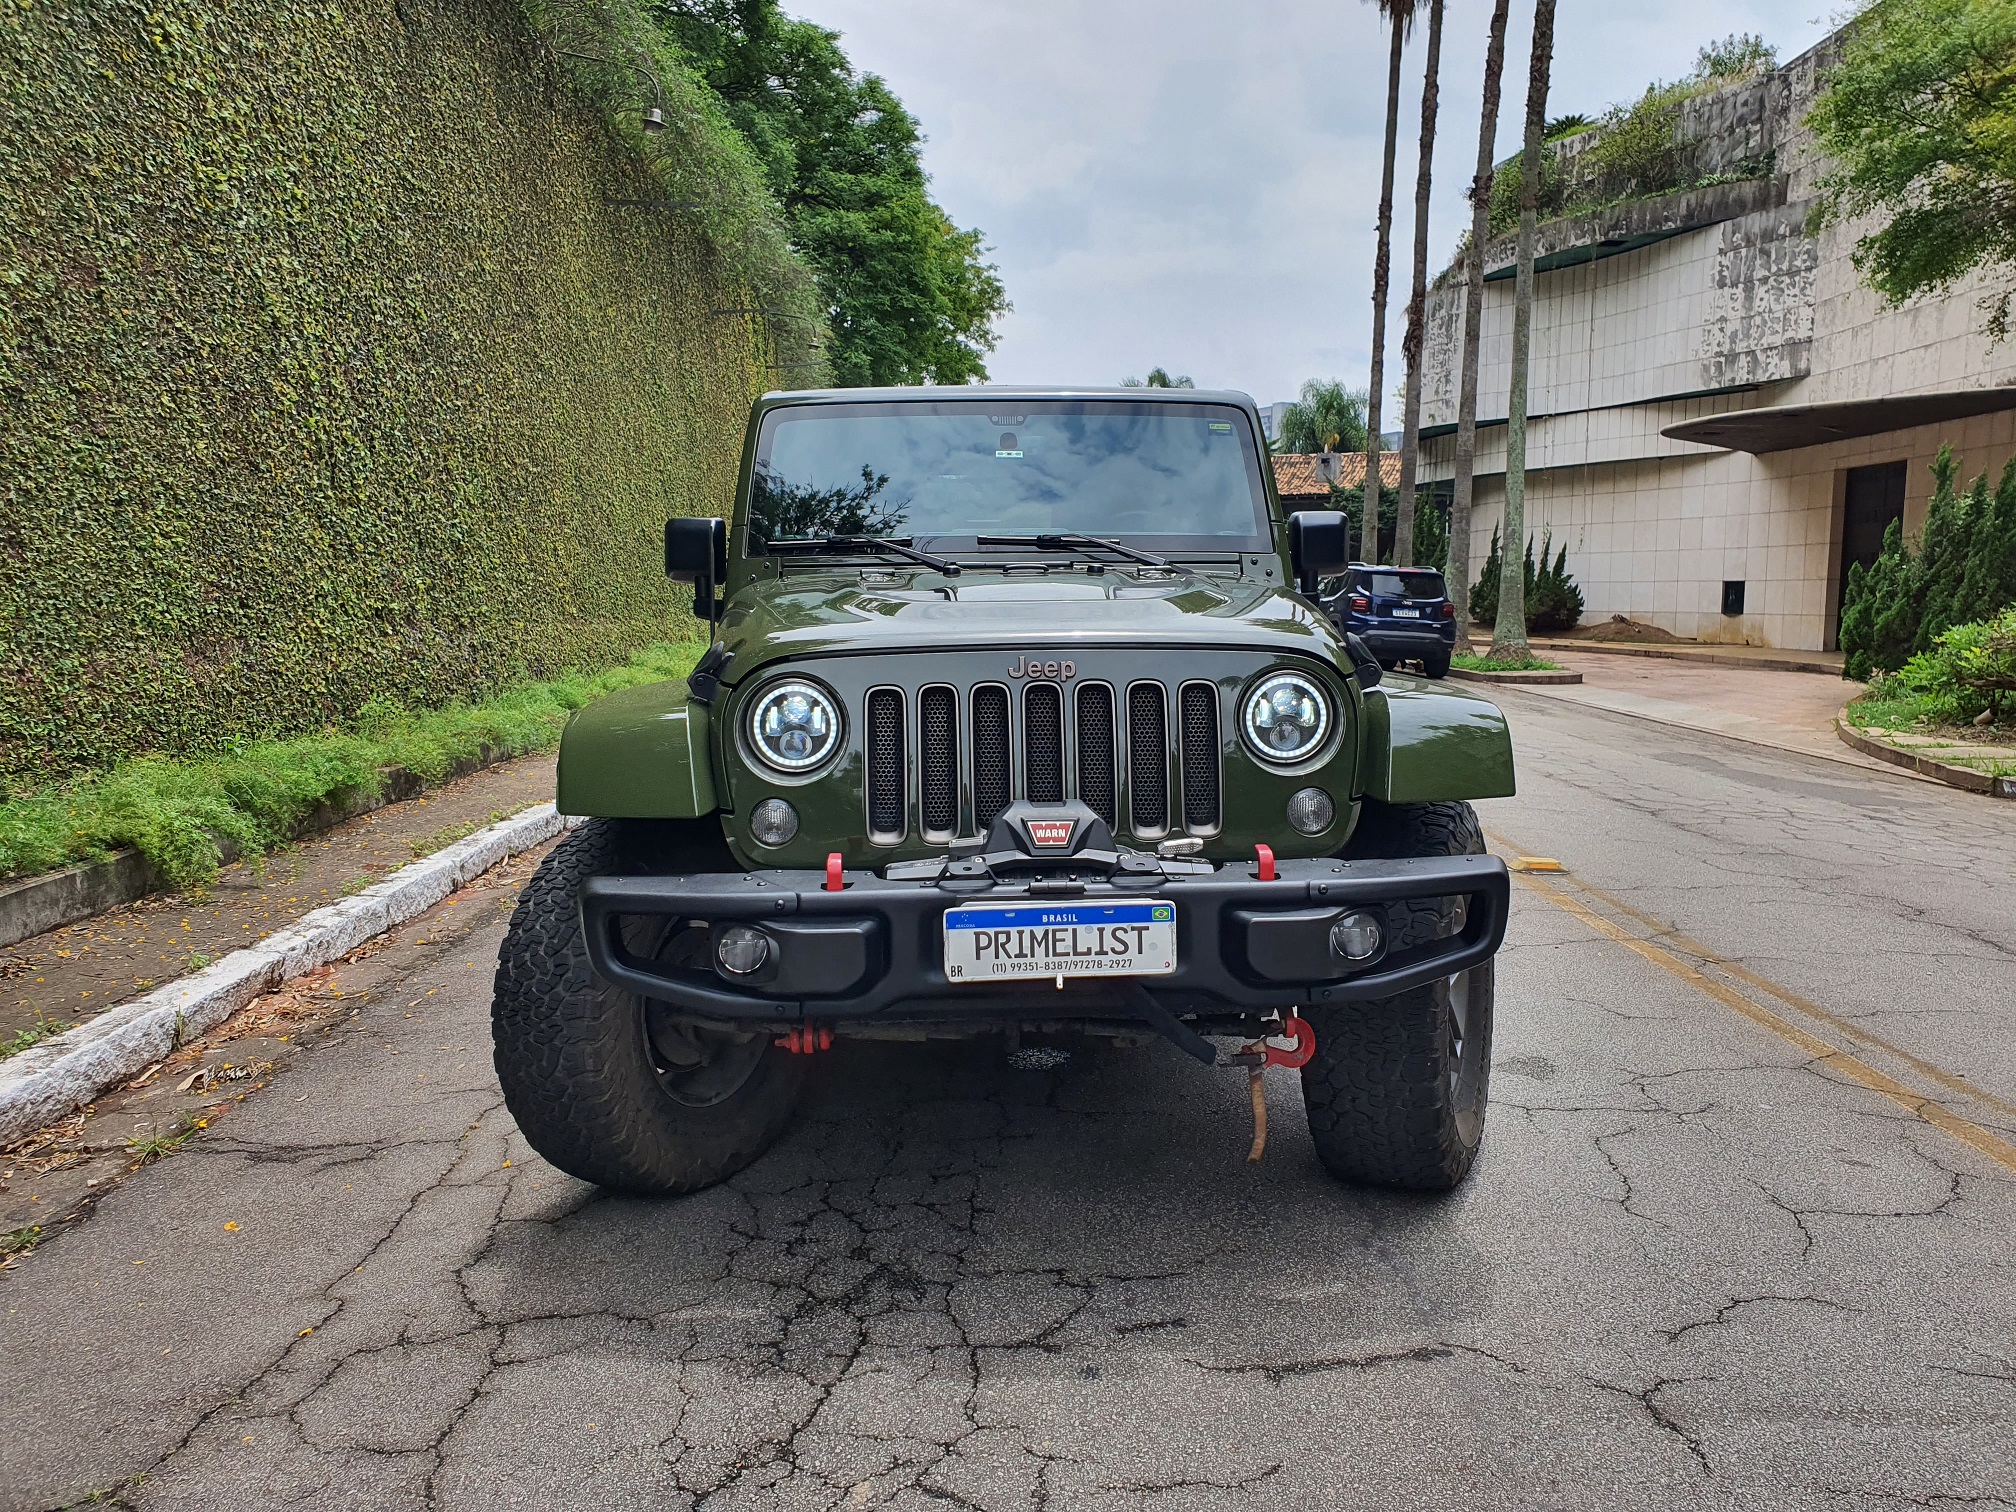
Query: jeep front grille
{"x": 976, "y": 754}
{"x": 1043, "y": 741}
{"x": 991, "y": 757}
{"x": 1200, "y": 757}
{"x": 885, "y": 765}
{"x": 1098, "y": 781}
{"x": 939, "y": 760}
{"x": 1148, "y": 758}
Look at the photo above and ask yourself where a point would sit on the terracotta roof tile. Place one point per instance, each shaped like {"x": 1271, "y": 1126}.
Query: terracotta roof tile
{"x": 1297, "y": 478}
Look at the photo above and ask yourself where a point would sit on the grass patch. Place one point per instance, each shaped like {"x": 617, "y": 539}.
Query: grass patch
{"x": 1471, "y": 662}
{"x": 175, "y": 812}
{"x": 442, "y": 838}
{"x": 148, "y": 1148}
{"x": 21, "y": 1241}
{"x": 33, "y": 1035}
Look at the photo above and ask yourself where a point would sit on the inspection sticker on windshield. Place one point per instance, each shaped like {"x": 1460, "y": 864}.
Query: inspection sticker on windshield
{"x": 1060, "y": 939}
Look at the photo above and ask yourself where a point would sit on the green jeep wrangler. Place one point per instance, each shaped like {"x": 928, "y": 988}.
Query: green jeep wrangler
{"x": 1018, "y": 721}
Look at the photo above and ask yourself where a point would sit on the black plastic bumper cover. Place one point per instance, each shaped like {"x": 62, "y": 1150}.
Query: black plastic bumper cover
{"x": 895, "y": 969}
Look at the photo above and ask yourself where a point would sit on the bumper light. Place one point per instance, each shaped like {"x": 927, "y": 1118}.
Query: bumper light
{"x": 1312, "y": 811}
{"x": 1355, "y": 937}
{"x": 773, "y": 822}
{"x": 740, "y": 950}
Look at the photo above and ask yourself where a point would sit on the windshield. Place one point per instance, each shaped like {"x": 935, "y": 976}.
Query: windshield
{"x": 1169, "y": 476}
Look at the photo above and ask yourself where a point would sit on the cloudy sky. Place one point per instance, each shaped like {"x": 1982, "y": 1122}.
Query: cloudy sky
{"x": 1194, "y": 183}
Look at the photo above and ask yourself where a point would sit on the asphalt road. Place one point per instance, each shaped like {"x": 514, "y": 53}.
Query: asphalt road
{"x": 1740, "y": 1236}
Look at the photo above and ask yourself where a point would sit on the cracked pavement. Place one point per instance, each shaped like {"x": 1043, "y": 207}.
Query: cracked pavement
{"x": 1690, "y": 1269}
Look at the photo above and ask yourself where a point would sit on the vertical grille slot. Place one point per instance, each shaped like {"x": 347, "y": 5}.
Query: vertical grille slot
{"x": 1097, "y": 789}
{"x": 990, "y": 754}
{"x": 1147, "y": 759}
{"x": 938, "y": 718}
{"x": 1200, "y": 757}
{"x": 885, "y": 764}
{"x": 1043, "y": 742}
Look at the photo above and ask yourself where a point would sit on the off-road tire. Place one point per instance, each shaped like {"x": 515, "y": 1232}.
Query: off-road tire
{"x": 1436, "y": 665}
{"x": 1384, "y": 1109}
{"x": 571, "y": 1052}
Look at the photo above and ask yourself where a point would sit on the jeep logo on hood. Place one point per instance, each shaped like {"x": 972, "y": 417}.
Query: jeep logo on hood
{"x": 1055, "y": 671}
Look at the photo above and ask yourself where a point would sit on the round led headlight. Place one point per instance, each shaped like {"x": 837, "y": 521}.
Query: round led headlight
{"x": 794, "y": 726}
{"x": 1287, "y": 718}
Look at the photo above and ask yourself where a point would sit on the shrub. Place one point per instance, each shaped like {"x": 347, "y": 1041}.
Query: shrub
{"x": 1971, "y": 670}
{"x": 1963, "y": 571}
{"x": 1553, "y": 601}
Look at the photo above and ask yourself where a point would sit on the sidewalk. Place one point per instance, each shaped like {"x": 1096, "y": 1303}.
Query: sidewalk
{"x": 1752, "y": 658}
{"x": 72, "y": 974}
{"x": 1788, "y": 711}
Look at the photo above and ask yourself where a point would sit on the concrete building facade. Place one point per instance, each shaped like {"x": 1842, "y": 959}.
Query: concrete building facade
{"x": 1722, "y": 416}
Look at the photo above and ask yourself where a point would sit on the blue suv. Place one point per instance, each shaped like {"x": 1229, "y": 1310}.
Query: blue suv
{"x": 1401, "y": 613}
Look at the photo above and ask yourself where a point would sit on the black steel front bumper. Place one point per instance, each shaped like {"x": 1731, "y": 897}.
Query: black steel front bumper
{"x": 874, "y": 951}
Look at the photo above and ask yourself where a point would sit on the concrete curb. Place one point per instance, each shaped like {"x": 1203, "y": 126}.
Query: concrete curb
{"x": 41, "y": 1084}
{"x": 30, "y": 906}
{"x": 1693, "y": 653}
{"x": 1939, "y": 771}
{"x": 1540, "y": 679}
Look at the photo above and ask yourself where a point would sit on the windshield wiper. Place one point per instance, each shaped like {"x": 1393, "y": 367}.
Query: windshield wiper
{"x": 1066, "y": 542}
{"x": 898, "y": 546}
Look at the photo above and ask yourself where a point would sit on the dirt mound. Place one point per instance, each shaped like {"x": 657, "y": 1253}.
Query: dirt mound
{"x": 1620, "y": 628}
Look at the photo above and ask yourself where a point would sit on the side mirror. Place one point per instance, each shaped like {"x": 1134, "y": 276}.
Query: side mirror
{"x": 1319, "y": 545}
{"x": 696, "y": 552}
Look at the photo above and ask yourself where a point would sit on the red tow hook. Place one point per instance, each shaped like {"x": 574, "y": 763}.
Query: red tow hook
{"x": 1266, "y": 869}
{"x": 806, "y": 1041}
{"x": 1259, "y": 1055}
{"x": 833, "y": 882}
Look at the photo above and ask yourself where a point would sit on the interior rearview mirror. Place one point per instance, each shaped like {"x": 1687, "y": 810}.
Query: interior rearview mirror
{"x": 1319, "y": 544}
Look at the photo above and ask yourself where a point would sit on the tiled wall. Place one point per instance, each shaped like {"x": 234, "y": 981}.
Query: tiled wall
{"x": 1656, "y": 538}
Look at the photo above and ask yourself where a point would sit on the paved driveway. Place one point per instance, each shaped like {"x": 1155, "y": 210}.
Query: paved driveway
{"x": 1700, "y": 1263}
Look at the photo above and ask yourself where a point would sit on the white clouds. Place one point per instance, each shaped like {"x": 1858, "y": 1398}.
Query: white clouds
{"x": 1194, "y": 184}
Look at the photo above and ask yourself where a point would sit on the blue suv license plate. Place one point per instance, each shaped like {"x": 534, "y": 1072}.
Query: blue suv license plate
{"x": 1059, "y": 940}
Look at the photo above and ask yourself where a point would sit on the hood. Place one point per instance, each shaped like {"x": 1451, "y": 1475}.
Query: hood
{"x": 846, "y": 611}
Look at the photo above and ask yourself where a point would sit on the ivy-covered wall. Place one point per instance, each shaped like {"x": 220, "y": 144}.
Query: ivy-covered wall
{"x": 330, "y": 371}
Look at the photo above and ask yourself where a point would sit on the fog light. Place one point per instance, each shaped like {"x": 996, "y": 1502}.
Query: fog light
{"x": 1311, "y": 811}
{"x": 741, "y": 950}
{"x": 1355, "y": 937}
{"x": 773, "y": 822}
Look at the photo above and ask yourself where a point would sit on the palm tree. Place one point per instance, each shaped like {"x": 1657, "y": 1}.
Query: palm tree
{"x": 1399, "y": 15}
{"x": 1328, "y": 417}
{"x": 1417, "y": 296}
{"x": 1458, "y": 574}
{"x": 1508, "y": 642}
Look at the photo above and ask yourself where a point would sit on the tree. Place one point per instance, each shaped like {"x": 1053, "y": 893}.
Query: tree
{"x": 1417, "y": 294}
{"x": 1158, "y": 378}
{"x": 1399, "y": 17}
{"x": 909, "y": 297}
{"x": 1328, "y": 417}
{"x": 1740, "y": 55}
{"x": 1508, "y": 640}
{"x": 1920, "y": 120}
{"x": 1989, "y": 584}
{"x": 1473, "y": 326}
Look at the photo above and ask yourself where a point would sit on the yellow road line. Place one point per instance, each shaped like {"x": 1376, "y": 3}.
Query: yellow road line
{"x": 1806, "y": 1006}
{"x": 1936, "y": 1114}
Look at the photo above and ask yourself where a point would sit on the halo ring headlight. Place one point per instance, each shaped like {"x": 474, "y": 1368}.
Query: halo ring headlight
{"x": 1286, "y": 718}
{"x": 794, "y": 726}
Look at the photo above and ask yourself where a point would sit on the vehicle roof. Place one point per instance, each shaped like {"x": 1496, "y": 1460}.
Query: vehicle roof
{"x": 939, "y": 393}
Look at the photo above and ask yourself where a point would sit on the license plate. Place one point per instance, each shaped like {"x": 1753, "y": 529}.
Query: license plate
{"x": 1005, "y": 941}
{"x": 1406, "y": 614}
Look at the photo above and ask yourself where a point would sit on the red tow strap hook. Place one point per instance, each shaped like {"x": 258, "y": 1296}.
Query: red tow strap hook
{"x": 1266, "y": 855}
{"x": 806, "y": 1041}
{"x": 833, "y": 882}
